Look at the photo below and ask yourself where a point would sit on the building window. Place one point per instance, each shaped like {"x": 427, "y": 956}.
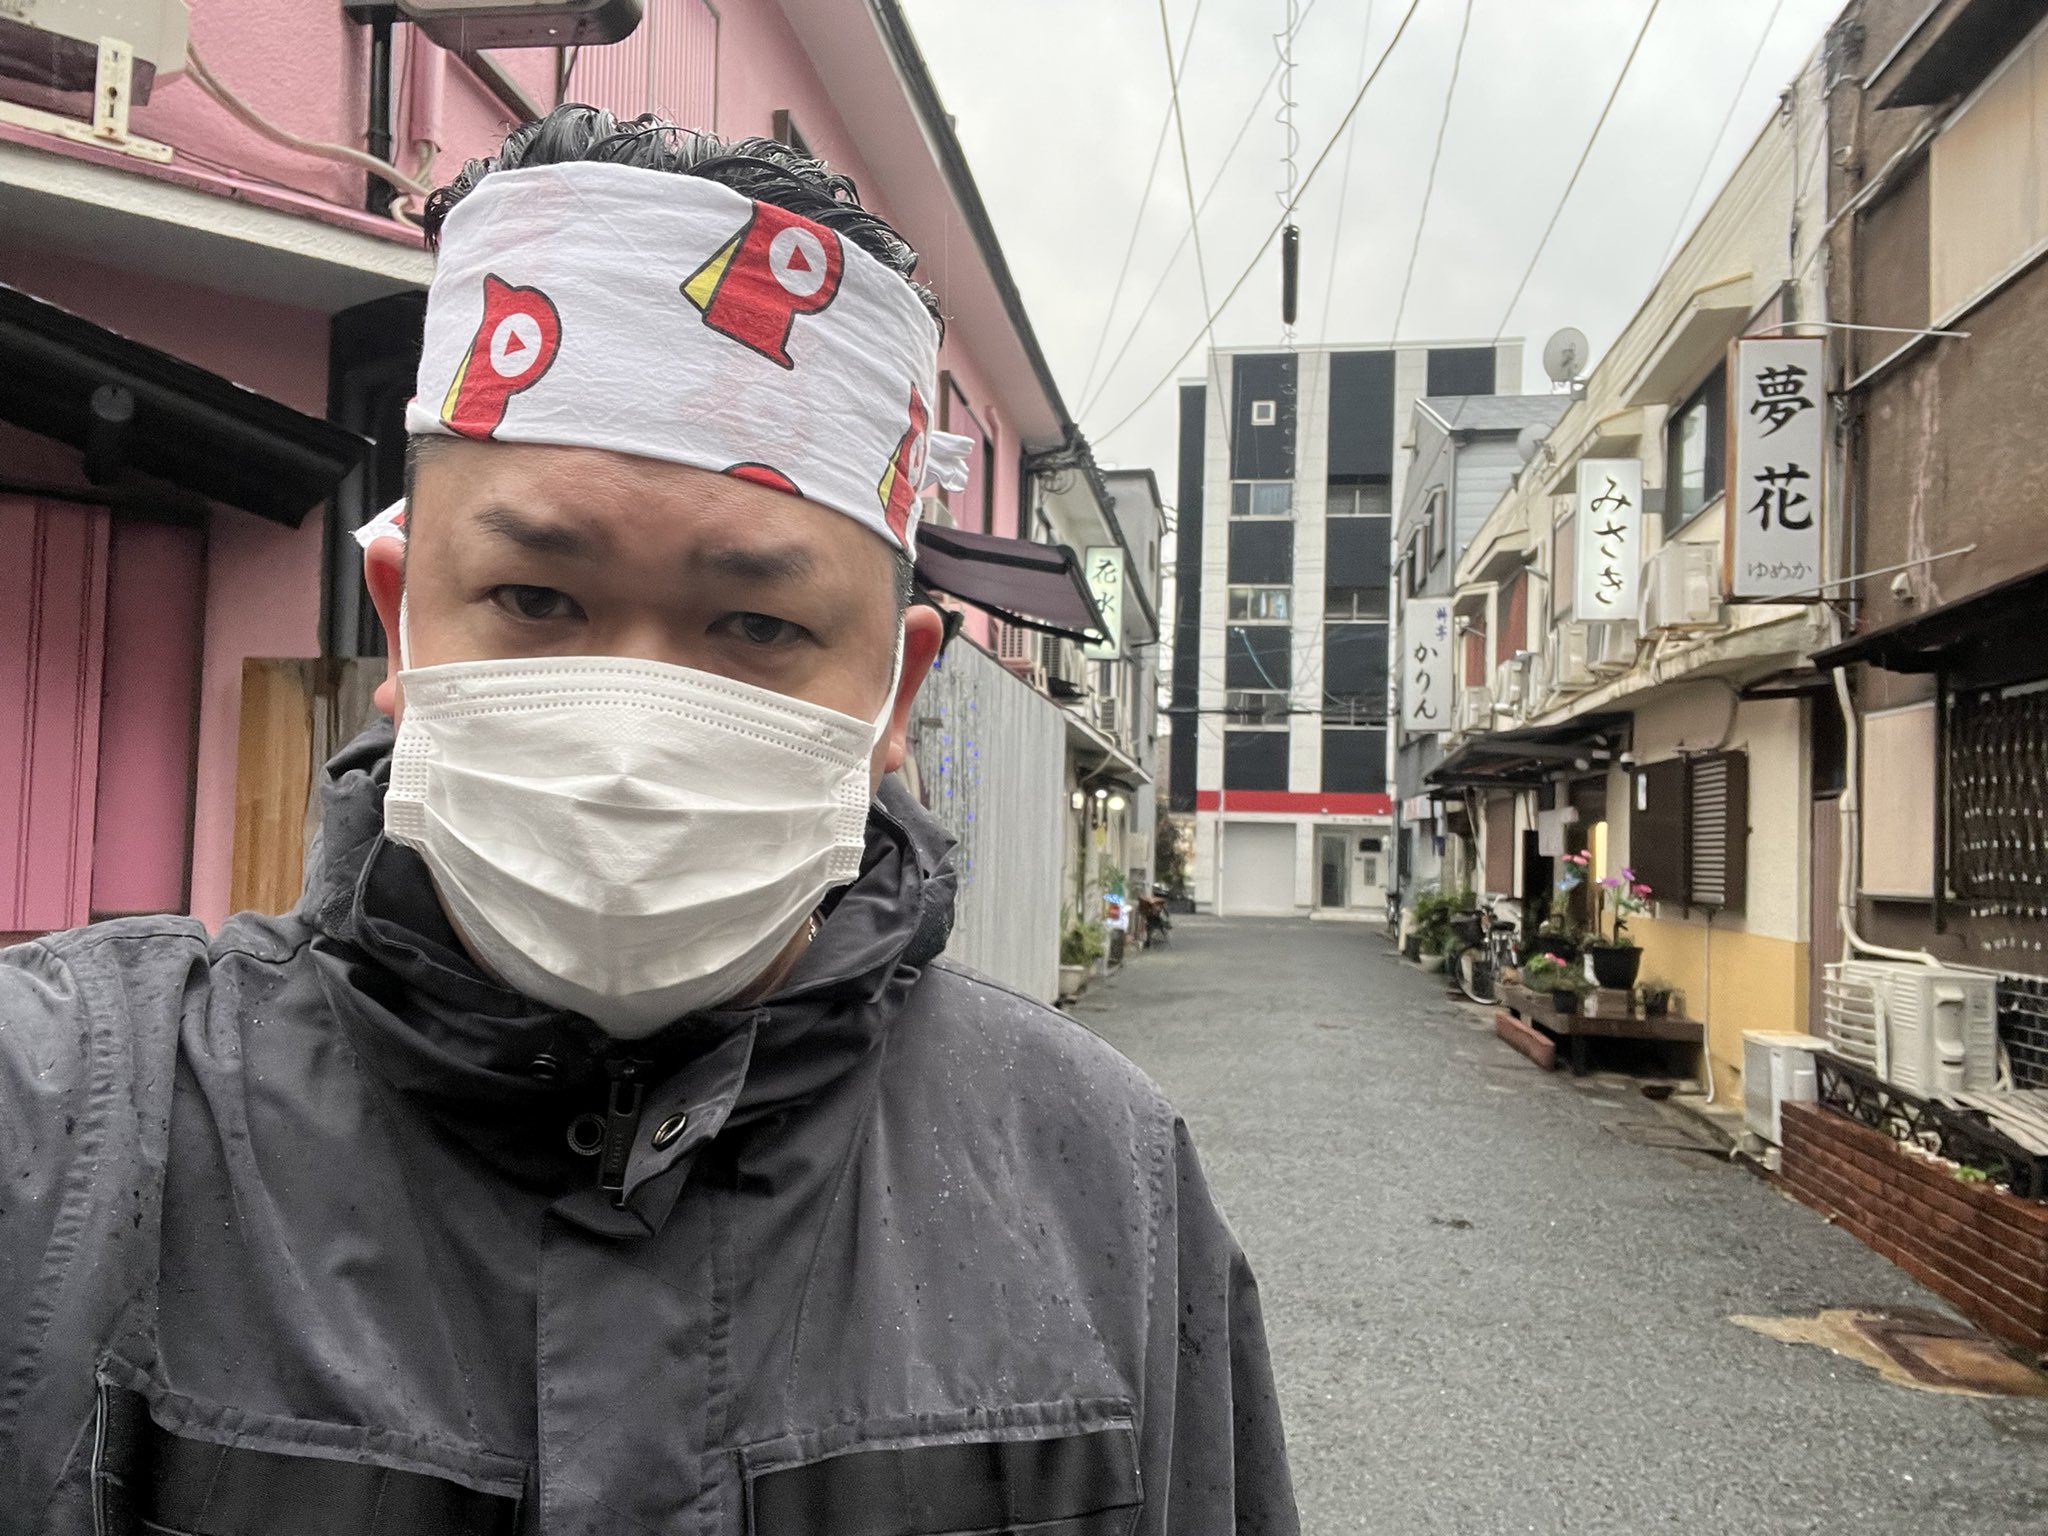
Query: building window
{"x": 1695, "y": 454}
{"x": 1263, "y": 413}
{"x": 1563, "y": 566}
{"x": 1262, "y": 498}
{"x": 1258, "y": 656}
{"x": 1255, "y": 706}
{"x": 783, "y": 129}
{"x": 1371, "y": 499}
{"x": 1354, "y": 761}
{"x": 1255, "y": 759}
{"x": 1261, "y": 605}
{"x": 1261, "y": 552}
{"x": 1354, "y": 602}
{"x": 1416, "y": 561}
{"x": 1438, "y": 525}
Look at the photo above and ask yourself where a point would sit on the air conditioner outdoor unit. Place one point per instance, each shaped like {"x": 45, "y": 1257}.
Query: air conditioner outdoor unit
{"x": 1777, "y": 1069}
{"x": 1103, "y": 710}
{"x": 1510, "y": 684}
{"x": 1063, "y": 667}
{"x": 1930, "y": 1031}
{"x": 1682, "y": 587}
{"x": 1568, "y": 664}
{"x": 1611, "y": 646}
{"x": 1475, "y": 710}
{"x": 56, "y": 43}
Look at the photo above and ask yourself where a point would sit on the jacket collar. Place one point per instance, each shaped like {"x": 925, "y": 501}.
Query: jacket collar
{"x": 433, "y": 1026}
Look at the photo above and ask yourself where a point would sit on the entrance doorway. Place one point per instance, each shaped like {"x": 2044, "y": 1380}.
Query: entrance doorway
{"x": 1333, "y": 860}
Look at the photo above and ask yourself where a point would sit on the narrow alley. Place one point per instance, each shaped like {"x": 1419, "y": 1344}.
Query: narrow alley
{"x": 1501, "y": 1302}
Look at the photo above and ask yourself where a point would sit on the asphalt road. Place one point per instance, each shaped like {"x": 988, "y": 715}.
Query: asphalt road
{"x": 1499, "y": 1300}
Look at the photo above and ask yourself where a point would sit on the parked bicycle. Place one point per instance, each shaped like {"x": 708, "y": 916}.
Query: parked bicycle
{"x": 1483, "y": 948}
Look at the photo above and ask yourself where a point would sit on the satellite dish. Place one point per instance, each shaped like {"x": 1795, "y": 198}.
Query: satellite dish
{"x": 1528, "y": 441}
{"x": 1564, "y": 355}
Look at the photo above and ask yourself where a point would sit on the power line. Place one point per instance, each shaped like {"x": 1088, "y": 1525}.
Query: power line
{"x": 1584, "y": 155}
{"x": 1671, "y": 245}
{"x": 1274, "y": 233}
{"x": 1144, "y": 200}
{"x": 1089, "y": 401}
{"x": 1344, "y": 184}
{"x": 1429, "y": 186}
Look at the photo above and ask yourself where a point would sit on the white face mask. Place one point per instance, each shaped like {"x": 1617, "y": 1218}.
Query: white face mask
{"x": 629, "y": 840}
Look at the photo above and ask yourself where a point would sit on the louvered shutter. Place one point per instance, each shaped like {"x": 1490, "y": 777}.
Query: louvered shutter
{"x": 1718, "y": 830}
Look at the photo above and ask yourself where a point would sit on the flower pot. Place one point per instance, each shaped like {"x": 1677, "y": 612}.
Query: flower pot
{"x": 1564, "y": 1000}
{"x": 1615, "y": 968}
{"x": 1656, "y": 1007}
{"x": 1554, "y": 944}
{"x": 1072, "y": 979}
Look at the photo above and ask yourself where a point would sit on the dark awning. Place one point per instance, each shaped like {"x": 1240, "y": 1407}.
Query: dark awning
{"x": 1039, "y": 586}
{"x": 1995, "y": 634}
{"x": 1963, "y": 45}
{"x": 193, "y": 429}
{"x": 1527, "y": 756}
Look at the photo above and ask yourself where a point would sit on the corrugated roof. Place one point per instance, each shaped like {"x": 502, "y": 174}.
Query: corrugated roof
{"x": 1499, "y": 413}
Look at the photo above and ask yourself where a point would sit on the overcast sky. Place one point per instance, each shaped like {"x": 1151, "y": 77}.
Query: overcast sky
{"x": 1059, "y": 104}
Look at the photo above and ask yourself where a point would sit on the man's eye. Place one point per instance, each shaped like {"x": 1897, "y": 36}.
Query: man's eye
{"x": 764, "y": 629}
{"x": 535, "y": 603}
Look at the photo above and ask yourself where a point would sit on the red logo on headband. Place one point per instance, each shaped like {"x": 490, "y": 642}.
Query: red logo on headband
{"x": 778, "y": 267}
{"x": 764, "y": 474}
{"x": 905, "y": 474}
{"x": 512, "y": 348}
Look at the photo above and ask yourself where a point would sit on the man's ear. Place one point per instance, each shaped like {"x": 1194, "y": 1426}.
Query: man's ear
{"x": 384, "y": 575}
{"x": 923, "y": 630}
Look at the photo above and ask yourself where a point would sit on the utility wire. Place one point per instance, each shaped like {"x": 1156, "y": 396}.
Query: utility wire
{"x": 1089, "y": 401}
{"x": 1144, "y": 200}
{"x": 1584, "y": 155}
{"x": 1671, "y": 245}
{"x": 1187, "y": 175}
{"x": 1344, "y": 184}
{"x": 1429, "y": 186}
{"x": 1274, "y": 233}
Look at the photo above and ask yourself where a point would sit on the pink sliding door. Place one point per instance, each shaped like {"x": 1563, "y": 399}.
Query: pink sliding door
{"x": 53, "y": 591}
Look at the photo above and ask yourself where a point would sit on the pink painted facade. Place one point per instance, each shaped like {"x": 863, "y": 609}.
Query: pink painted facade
{"x": 170, "y": 615}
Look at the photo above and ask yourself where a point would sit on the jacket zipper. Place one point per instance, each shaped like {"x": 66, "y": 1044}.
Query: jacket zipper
{"x": 621, "y": 1125}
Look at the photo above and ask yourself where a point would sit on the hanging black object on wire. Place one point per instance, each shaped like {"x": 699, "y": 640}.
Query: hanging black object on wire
{"x": 1290, "y": 272}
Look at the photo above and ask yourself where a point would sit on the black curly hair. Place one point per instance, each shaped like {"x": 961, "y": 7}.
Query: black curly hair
{"x": 766, "y": 170}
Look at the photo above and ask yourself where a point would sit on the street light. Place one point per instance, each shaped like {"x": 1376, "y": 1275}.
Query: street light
{"x": 1116, "y": 802}
{"x": 1102, "y": 794}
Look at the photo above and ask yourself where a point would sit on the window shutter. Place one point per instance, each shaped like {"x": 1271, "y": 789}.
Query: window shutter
{"x": 1657, "y": 830}
{"x": 1718, "y": 841}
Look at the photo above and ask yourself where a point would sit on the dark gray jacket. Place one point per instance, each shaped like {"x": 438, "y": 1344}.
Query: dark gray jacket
{"x": 293, "y": 1238}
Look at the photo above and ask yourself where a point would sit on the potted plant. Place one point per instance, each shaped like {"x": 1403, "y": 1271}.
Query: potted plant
{"x": 1080, "y": 944}
{"x": 1433, "y": 913}
{"x": 1565, "y": 985}
{"x": 1656, "y": 999}
{"x": 1554, "y": 938}
{"x": 1613, "y": 958}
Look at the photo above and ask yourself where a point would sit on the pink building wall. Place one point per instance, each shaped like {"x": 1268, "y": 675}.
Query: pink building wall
{"x": 305, "y": 67}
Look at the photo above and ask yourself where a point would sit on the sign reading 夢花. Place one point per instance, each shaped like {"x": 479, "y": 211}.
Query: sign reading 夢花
{"x": 1778, "y": 429}
{"x": 1609, "y": 552}
{"x": 1426, "y": 664}
{"x": 1105, "y": 572}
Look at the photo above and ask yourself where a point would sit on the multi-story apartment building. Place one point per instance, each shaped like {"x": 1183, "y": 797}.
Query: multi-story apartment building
{"x": 1289, "y": 479}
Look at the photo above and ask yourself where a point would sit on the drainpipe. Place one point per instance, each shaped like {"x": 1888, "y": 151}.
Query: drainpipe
{"x": 377, "y": 135}
{"x": 427, "y": 73}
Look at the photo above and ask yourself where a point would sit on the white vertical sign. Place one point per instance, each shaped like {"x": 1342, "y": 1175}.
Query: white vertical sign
{"x": 1426, "y": 664}
{"x": 1105, "y": 572}
{"x": 1608, "y": 538}
{"x": 1779, "y": 429}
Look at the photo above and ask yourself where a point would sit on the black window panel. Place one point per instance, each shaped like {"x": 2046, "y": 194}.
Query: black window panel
{"x": 1361, "y": 415}
{"x": 1696, "y": 451}
{"x": 1187, "y": 611}
{"x": 1461, "y": 370}
{"x": 1258, "y": 656}
{"x": 1355, "y": 551}
{"x": 1354, "y": 762}
{"x": 1830, "y": 748}
{"x": 1262, "y": 453}
{"x": 1355, "y": 661}
{"x": 1255, "y": 760}
{"x": 1261, "y": 552}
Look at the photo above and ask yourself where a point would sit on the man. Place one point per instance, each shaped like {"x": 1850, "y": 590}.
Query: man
{"x": 602, "y": 1145}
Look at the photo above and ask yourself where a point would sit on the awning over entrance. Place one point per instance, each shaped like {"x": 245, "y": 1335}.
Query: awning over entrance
{"x": 1994, "y": 636}
{"x": 170, "y": 419}
{"x": 1528, "y": 756}
{"x": 1039, "y": 586}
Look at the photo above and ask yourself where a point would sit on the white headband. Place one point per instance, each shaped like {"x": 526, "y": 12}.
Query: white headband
{"x": 607, "y": 306}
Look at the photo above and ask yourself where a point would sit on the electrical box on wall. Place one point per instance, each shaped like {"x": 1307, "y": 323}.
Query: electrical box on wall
{"x": 466, "y": 25}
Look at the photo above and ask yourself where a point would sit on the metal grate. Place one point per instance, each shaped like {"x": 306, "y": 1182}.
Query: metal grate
{"x": 2023, "y": 1027}
{"x": 1713, "y": 832}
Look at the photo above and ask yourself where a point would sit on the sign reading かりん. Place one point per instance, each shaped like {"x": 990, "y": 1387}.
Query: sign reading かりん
{"x": 1426, "y": 664}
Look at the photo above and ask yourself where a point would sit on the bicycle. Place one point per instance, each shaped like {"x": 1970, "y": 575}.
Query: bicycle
{"x": 1485, "y": 949}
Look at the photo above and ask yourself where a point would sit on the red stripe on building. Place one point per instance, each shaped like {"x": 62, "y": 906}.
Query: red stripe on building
{"x": 1283, "y": 802}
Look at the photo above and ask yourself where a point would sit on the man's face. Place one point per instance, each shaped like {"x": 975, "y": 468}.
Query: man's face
{"x": 527, "y": 550}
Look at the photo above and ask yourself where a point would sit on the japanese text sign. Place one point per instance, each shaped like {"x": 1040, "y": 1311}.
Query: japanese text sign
{"x": 1609, "y": 543}
{"x": 1426, "y": 664}
{"x": 1778, "y": 428}
{"x": 1105, "y": 572}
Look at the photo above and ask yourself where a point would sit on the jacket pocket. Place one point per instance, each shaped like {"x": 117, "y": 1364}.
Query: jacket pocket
{"x": 1013, "y": 1482}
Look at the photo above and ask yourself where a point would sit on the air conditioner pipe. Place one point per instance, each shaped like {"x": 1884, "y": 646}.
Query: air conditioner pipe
{"x": 1853, "y": 943}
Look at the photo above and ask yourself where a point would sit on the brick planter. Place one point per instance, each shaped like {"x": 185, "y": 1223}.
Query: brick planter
{"x": 1984, "y": 1250}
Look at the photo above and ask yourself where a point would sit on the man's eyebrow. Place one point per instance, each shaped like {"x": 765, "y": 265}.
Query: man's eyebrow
{"x": 791, "y": 562}
{"x": 539, "y": 537}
